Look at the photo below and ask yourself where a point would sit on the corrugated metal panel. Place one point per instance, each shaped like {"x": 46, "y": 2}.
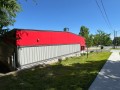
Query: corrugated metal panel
{"x": 29, "y": 55}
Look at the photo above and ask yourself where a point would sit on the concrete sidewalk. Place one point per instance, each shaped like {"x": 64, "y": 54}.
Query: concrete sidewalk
{"x": 109, "y": 76}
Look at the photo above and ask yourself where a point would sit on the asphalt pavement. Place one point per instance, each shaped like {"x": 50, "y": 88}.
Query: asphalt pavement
{"x": 109, "y": 76}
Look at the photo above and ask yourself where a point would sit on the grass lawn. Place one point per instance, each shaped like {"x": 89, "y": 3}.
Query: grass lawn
{"x": 71, "y": 74}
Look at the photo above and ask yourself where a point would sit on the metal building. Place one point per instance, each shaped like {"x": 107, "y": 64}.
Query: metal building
{"x": 25, "y": 48}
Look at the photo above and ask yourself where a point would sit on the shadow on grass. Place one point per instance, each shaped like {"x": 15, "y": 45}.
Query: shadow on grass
{"x": 55, "y": 77}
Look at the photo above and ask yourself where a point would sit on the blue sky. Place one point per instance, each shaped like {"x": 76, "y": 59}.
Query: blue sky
{"x": 57, "y": 14}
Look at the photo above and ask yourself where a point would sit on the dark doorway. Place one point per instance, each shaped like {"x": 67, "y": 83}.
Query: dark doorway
{"x": 4, "y": 68}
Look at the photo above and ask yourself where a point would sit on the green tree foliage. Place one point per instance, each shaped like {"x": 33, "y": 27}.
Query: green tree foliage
{"x": 102, "y": 38}
{"x": 116, "y": 40}
{"x": 84, "y": 31}
{"x": 96, "y": 40}
{"x": 91, "y": 40}
{"x": 8, "y": 12}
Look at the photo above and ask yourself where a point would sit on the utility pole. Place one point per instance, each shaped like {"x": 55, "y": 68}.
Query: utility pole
{"x": 114, "y": 40}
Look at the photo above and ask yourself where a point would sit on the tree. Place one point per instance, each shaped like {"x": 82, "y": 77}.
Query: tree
{"x": 91, "y": 38}
{"x": 116, "y": 40}
{"x": 8, "y": 12}
{"x": 96, "y": 40}
{"x": 84, "y": 31}
{"x": 102, "y": 38}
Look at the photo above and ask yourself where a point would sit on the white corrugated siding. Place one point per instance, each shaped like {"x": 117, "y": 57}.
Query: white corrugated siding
{"x": 28, "y": 55}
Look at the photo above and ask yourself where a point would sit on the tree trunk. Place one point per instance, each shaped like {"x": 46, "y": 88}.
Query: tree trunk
{"x": 87, "y": 52}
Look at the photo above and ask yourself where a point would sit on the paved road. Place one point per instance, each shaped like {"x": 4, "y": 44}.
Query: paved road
{"x": 109, "y": 76}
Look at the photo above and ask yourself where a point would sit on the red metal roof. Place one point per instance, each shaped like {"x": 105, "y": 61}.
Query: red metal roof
{"x": 26, "y": 37}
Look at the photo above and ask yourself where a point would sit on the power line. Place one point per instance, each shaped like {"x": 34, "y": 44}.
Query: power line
{"x": 106, "y": 15}
{"x": 115, "y": 32}
{"x": 106, "y": 20}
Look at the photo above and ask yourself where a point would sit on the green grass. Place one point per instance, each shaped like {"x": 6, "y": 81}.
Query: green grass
{"x": 71, "y": 74}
